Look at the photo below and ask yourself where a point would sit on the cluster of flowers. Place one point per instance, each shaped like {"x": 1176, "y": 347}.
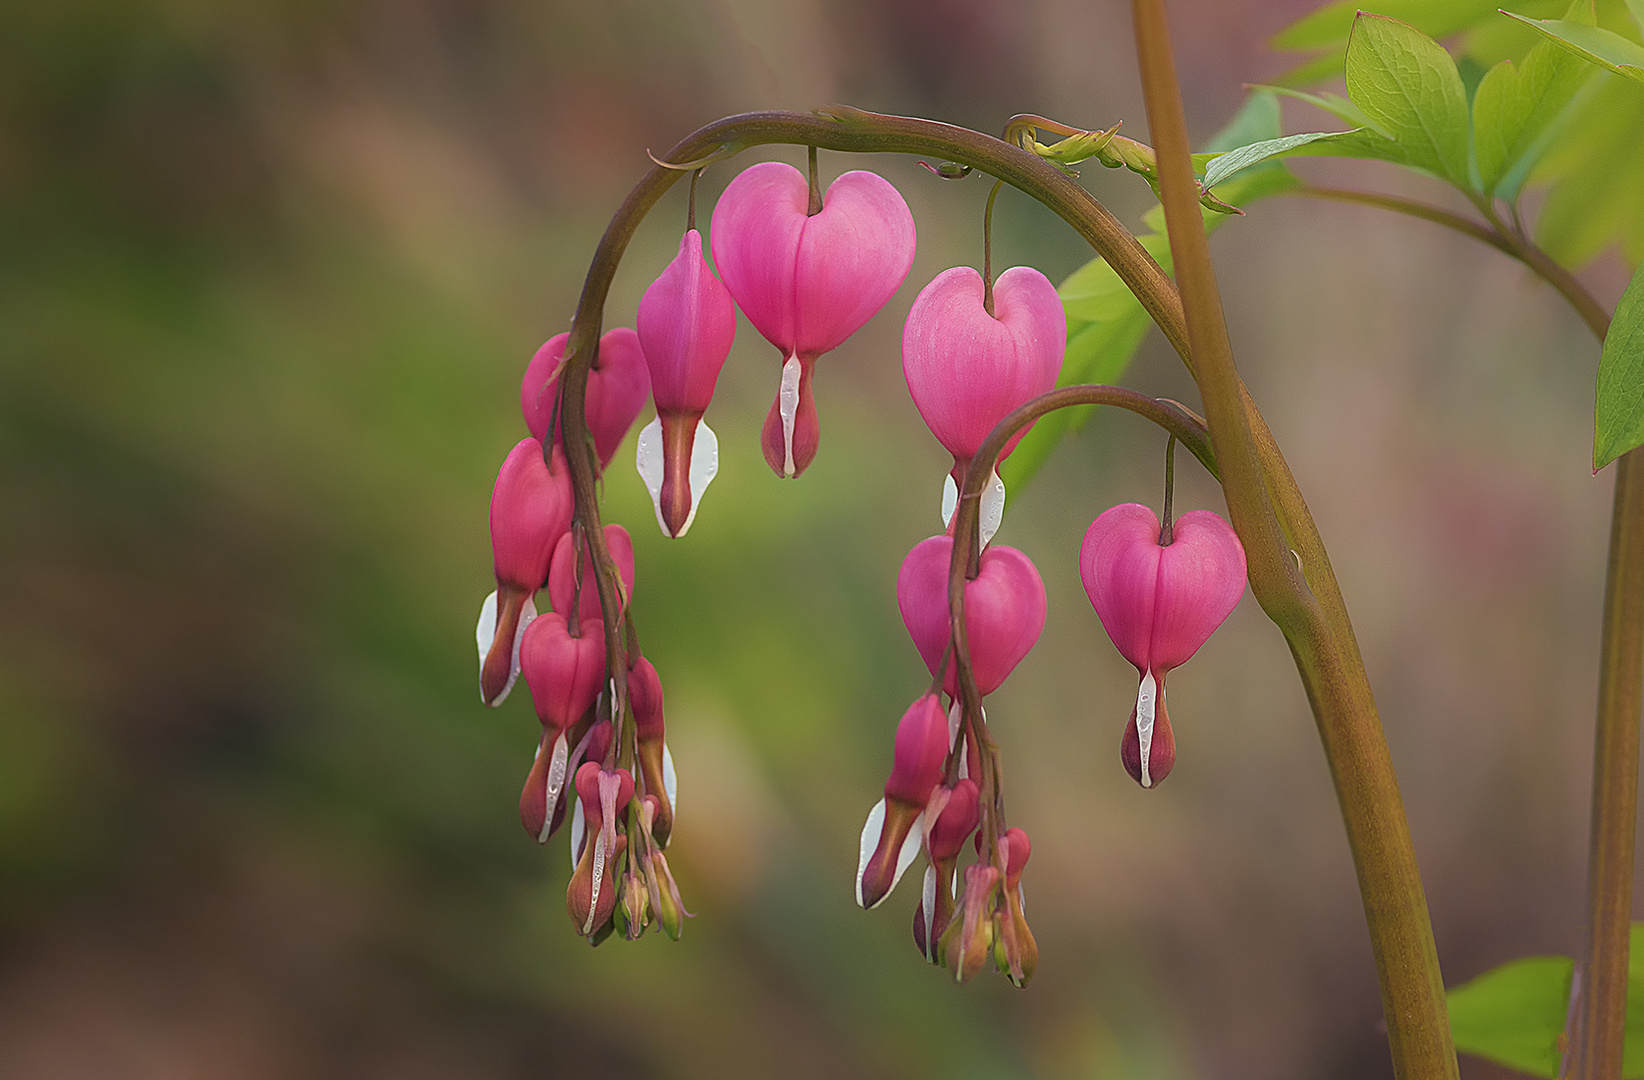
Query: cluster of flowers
{"x": 809, "y": 270}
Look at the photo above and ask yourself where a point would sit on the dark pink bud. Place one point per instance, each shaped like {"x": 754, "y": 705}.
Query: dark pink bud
{"x": 686, "y": 325}
{"x": 1004, "y": 610}
{"x": 921, "y": 751}
{"x": 808, "y": 282}
{"x": 618, "y": 385}
{"x": 956, "y": 822}
{"x": 655, "y": 764}
{"x": 1159, "y": 604}
{"x": 562, "y": 579}
{"x": 1017, "y": 850}
{"x": 564, "y": 673}
{"x": 530, "y": 511}
{"x": 645, "y": 694}
{"x": 592, "y": 895}
{"x": 967, "y": 369}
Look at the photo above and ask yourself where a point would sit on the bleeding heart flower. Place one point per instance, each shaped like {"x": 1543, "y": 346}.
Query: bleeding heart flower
{"x": 530, "y": 511}
{"x": 655, "y": 762}
{"x": 687, "y": 323}
{"x": 604, "y": 796}
{"x": 1015, "y": 951}
{"x": 618, "y": 385}
{"x": 808, "y": 282}
{"x": 1159, "y": 604}
{"x": 892, "y": 836}
{"x": 562, "y": 575}
{"x": 957, "y": 820}
{"x": 1004, "y": 610}
{"x": 967, "y": 369}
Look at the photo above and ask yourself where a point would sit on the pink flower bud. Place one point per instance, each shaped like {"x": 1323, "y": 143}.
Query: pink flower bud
{"x": 808, "y": 282}
{"x": 967, "y": 369}
{"x": 1004, "y": 610}
{"x": 687, "y": 323}
{"x": 891, "y": 837}
{"x": 530, "y": 511}
{"x": 592, "y": 895}
{"x": 956, "y": 822}
{"x": 1159, "y": 604}
{"x": 564, "y": 673}
{"x": 655, "y": 763}
{"x": 562, "y": 582}
{"x": 618, "y": 385}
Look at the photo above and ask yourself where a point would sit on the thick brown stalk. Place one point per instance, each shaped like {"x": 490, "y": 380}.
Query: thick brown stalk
{"x": 1395, "y": 906}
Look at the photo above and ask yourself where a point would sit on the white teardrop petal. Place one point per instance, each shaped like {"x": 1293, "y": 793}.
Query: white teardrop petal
{"x": 787, "y": 405}
{"x": 927, "y": 907}
{"x": 579, "y": 826}
{"x": 993, "y": 507}
{"x": 558, "y": 765}
{"x": 704, "y": 467}
{"x": 870, "y": 841}
{"x": 648, "y": 459}
{"x": 670, "y": 783}
{"x": 950, "y": 499}
{"x": 1145, "y": 695}
{"x": 486, "y": 631}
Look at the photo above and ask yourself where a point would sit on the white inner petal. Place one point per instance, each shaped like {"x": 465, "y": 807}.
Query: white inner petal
{"x": 579, "y": 828}
{"x": 870, "y": 841}
{"x": 1145, "y": 697}
{"x": 486, "y": 631}
{"x": 927, "y": 907}
{"x": 556, "y": 783}
{"x": 788, "y": 406}
{"x": 950, "y": 499}
{"x": 670, "y": 783}
{"x": 993, "y": 507}
{"x": 648, "y": 459}
{"x": 704, "y": 467}
{"x": 599, "y": 876}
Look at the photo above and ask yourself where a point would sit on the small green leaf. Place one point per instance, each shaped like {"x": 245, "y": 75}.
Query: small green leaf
{"x": 1593, "y": 43}
{"x": 1515, "y": 111}
{"x": 1408, "y": 86}
{"x": 1596, "y": 168}
{"x": 1222, "y": 166}
{"x": 1514, "y": 1014}
{"x": 1619, "y": 413}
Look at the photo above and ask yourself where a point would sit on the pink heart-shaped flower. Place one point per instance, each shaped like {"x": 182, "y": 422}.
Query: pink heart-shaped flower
{"x": 530, "y": 511}
{"x": 1004, "y": 610}
{"x": 967, "y": 369}
{"x": 618, "y": 385}
{"x": 564, "y": 673}
{"x": 687, "y": 323}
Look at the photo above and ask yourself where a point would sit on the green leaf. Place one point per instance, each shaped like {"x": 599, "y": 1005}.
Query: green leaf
{"x": 1223, "y": 166}
{"x": 1408, "y": 86}
{"x": 1334, "y": 104}
{"x": 1619, "y": 413}
{"x": 1514, "y": 1014}
{"x": 1593, "y": 43}
{"x": 1331, "y": 25}
{"x": 1515, "y": 111}
{"x": 1596, "y": 168}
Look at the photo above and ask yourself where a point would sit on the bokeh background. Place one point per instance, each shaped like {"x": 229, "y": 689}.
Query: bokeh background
{"x": 269, "y": 275}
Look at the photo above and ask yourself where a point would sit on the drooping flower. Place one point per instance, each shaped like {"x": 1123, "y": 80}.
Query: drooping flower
{"x": 1015, "y": 952}
{"x": 807, "y": 282}
{"x": 892, "y": 835}
{"x": 967, "y": 369}
{"x": 1159, "y": 604}
{"x": 618, "y": 384}
{"x": 954, "y": 824}
{"x": 656, "y": 764}
{"x": 687, "y": 323}
{"x": 563, "y": 571}
{"x": 565, "y": 674}
{"x": 592, "y": 895}
{"x": 1004, "y": 610}
{"x": 530, "y": 511}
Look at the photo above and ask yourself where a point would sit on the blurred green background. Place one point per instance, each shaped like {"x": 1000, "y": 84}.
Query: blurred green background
{"x": 269, "y": 275}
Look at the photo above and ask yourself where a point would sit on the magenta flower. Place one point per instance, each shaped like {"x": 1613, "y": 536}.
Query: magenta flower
{"x": 565, "y": 675}
{"x": 1159, "y": 604}
{"x": 967, "y": 369}
{"x": 954, "y": 824}
{"x": 808, "y": 282}
{"x": 891, "y": 837}
{"x": 603, "y": 796}
{"x": 618, "y": 385}
{"x": 563, "y": 589}
{"x": 686, "y": 325}
{"x": 655, "y": 762}
{"x": 1004, "y": 610}
{"x": 530, "y": 511}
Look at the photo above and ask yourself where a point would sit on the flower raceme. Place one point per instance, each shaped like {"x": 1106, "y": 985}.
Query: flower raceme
{"x": 530, "y": 511}
{"x": 808, "y": 281}
{"x": 687, "y": 323}
{"x": 967, "y": 367}
{"x": 1159, "y": 603}
{"x": 618, "y": 384}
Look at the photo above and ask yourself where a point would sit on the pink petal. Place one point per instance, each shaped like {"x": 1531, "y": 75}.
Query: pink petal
{"x": 686, "y": 325}
{"x": 1201, "y": 578}
{"x": 1004, "y": 610}
{"x": 564, "y": 673}
{"x": 966, "y": 369}
{"x": 921, "y": 751}
{"x": 1119, "y": 565}
{"x": 562, "y": 582}
{"x": 618, "y": 385}
{"x": 530, "y": 511}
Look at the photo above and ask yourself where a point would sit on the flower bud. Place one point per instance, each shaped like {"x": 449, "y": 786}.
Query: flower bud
{"x": 530, "y": 511}
{"x": 563, "y": 585}
{"x": 656, "y": 765}
{"x": 957, "y": 820}
{"x": 618, "y": 384}
{"x": 1004, "y": 610}
{"x": 687, "y": 323}
{"x": 564, "y": 673}
{"x": 604, "y": 796}
{"x": 968, "y": 941}
{"x": 1159, "y": 604}
{"x": 1016, "y": 951}
{"x": 807, "y": 282}
{"x": 891, "y": 837}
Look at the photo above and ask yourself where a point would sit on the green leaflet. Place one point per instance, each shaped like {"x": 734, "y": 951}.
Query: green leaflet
{"x": 1618, "y": 415}
{"x": 1593, "y": 43}
{"x": 1408, "y": 86}
{"x": 1514, "y": 114}
{"x": 1222, "y": 167}
{"x": 1515, "y": 1013}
